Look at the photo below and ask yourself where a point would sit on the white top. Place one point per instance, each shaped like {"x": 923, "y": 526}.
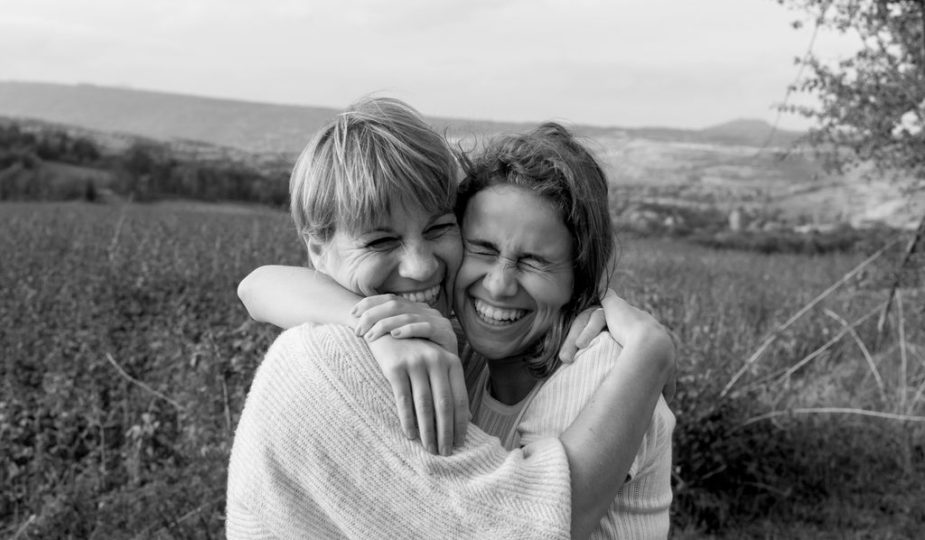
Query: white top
{"x": 640, "y": 509}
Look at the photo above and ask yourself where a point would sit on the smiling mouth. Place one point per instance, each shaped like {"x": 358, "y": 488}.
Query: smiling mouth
{"x": 496, "y": 316}
{"x": 424, "y": 296}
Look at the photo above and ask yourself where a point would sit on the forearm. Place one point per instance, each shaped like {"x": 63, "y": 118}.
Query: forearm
{"x": 288, "y": 296}
{"x": 604, "y": 439}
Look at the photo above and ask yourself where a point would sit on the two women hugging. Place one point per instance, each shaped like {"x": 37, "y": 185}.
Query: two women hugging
{"x": 455, "y": 302}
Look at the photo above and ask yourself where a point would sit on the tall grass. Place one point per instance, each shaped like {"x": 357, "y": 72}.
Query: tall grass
{"x": 126, "y": 358}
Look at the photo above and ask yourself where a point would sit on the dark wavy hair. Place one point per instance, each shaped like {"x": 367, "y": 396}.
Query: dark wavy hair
{"x": 553, "y": 164}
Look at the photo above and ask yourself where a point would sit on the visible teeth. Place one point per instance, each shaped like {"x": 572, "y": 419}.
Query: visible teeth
{"x": 427, "y": 296}
{"x": 497, "y": 316}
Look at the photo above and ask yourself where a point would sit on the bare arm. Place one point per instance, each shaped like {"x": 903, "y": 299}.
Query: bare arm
{"x": 288, "y": 296}
{"x": 602, "y": 442}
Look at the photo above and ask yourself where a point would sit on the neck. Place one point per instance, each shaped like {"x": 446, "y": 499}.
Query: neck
{"x": 511, "y": 381}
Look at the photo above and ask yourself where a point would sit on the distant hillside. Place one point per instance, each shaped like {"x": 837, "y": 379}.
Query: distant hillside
{"x": 261, "y": 127}
{"x": 734, "y": 165}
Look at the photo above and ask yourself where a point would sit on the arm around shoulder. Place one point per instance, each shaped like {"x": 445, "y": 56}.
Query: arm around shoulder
{"x": 287, "y": 296}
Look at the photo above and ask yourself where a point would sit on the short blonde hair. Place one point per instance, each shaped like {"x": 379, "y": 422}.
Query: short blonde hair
{"x": 376, "y": 150}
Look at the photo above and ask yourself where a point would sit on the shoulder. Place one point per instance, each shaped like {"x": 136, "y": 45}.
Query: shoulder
{"x": 301, "y": 361}
{"x": 312, "y": 336}
{"x": 591, "y": 364}
{"x": 566, "y": 392}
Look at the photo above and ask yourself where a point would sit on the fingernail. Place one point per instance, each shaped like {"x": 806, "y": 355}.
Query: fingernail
{"x": 444, "y": 451}
{"x": 396, "y": 332}
{"x": 412, "y": 434}
{"x": 432, "y": 448}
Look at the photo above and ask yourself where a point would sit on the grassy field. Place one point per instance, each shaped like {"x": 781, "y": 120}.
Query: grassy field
{"x": 126, "y": 358}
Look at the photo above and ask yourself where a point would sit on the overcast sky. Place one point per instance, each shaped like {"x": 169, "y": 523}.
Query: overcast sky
{"x": 683, "y": 63}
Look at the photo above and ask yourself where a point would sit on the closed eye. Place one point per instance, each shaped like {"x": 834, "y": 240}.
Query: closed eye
{"x": 477, "y": 247}
{"x": 438, "y": 230}
{"x": 383, "y": 243}
{"x": 535, "y": 263}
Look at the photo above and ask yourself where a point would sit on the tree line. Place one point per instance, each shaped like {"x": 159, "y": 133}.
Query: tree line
{"x": 52, "y": 164}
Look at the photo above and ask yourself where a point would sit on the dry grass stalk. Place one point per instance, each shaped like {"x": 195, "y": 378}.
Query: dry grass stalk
{"x": 140, "y": 384}
{"x": 114, "y": 243}
{"x": 903, "y": 359}
{"x": 834, "y": 410}
{"x": 146, "y": 533}
{"x": 864, "y": 351}
{"x": 23, "y": 527}
{"x": 772, "y": 337}
{"x": 815, "y": 354}
{"x": 785, "y": 373}
{"x": 910, "y": 249}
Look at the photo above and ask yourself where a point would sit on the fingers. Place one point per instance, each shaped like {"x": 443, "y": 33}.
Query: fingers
{"x": 460, "y": 402}
{"x": 587, "y": 325}
{"x": 370, "y": 302}
{"x": 596, "y": 323}
{"x": 424, "y": 407}
{"x": 440, "y": 331}
{"x": 386, "y": 326}
{"x": 623, "y": 320}
{"x": 429, "y": 389}
{"x": 568, "y": 349}
{"x": 443, "y": 411}
{"x": 371, "y": 310}
{"x": 401, "y": 389}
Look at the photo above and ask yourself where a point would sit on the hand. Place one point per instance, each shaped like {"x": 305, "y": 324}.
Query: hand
{"x": 393, "y": 315}
{"x": 429, "y": 388}
{"x": 631, "y": 327}
{"x": 586, "y": 326}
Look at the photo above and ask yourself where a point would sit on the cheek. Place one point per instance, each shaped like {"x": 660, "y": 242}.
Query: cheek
{"x": 367, "y": 272}
{"x": 470, "y": 271}
{"x": 449, "y": 250}
{"x": 552, "y": 292}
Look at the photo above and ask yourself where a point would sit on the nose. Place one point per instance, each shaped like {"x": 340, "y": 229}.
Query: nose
{"x": 500, "y": 280}
{"x": 418, "y": 262}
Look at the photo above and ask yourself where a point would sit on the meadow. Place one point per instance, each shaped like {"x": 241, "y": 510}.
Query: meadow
{"x": 126, "y": 357}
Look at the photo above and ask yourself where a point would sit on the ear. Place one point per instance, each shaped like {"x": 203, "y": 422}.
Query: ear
{"x": 316, "y": 253}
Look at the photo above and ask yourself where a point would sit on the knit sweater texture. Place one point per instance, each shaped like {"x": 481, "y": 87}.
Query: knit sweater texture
{"x": 319, "y": 453}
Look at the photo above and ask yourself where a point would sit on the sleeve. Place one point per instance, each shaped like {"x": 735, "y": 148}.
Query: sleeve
{"x": 319, "y": 452}
{"x": 568, "y": 390}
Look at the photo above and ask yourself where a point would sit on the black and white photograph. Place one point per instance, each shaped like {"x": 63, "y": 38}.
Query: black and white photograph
{"x": 427, "y": 269}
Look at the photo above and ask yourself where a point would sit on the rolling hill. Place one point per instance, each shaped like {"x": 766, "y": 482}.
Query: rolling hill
{"x": 262, "y": 127}
{"x": 737, "y": 164}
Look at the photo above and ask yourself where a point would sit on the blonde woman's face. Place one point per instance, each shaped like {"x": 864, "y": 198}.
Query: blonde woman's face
{"x": 516, "y": 274}
{"x": 412, "y": 253}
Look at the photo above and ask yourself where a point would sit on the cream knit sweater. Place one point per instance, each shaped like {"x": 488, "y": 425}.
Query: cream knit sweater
{"x": 319, "y": 453}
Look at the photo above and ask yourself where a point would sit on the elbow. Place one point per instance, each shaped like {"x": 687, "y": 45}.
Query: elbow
{"x": 247, "y": 294}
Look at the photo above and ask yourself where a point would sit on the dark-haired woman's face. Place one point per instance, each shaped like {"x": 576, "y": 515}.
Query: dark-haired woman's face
{"x": 516, "y": 274}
